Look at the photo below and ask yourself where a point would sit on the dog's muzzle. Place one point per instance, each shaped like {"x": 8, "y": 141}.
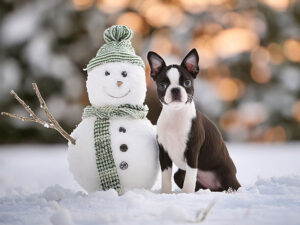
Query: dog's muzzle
{"x": 176, "y": 95}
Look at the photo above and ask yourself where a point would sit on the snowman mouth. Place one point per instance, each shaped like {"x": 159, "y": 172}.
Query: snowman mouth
{"x": 118, "y": 96}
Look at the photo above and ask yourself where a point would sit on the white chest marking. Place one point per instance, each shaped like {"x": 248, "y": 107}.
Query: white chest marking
{"x": 173, "y": 127}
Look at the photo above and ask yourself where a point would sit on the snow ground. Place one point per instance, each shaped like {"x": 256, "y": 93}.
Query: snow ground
{"x": 37, "y": 188}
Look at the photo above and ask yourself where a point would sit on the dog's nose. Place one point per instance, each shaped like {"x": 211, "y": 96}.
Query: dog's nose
{"x": 175, "y": 91}
{"x": 119, "y": 83}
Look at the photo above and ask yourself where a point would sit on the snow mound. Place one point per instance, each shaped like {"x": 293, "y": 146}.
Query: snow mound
{"x": 61, "y": 217}
{"x": 269, "y": 194}
{"x": 279, "y": 185}
{"x": 56, "y": 193}
{"x": 268, "y": 201}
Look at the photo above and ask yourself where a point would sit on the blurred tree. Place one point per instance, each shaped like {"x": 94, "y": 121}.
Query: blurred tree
{"x": 249, "y": 56}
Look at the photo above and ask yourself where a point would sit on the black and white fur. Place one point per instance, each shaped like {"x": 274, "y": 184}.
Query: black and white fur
{"x": 185, "y": 136}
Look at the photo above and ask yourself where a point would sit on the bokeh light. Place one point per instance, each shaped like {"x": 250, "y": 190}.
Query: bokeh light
{"x": 162, "y": 14}
{"x": 196, "y": 6}
{"x": 234, "y": 41}
{"x": 260, "y": 73}
{"x": 275, "y": 134}
{"x": 291, "y": 49}
{"x": 249, "y": 54}
{"x": 229, "y": 89}
{"x": 279, "y": 5}
{"x": 134, "y": 21}
{"x": 296, "y": 111}
{"x": 161, "y": 43}
{"x": 109, "y": 6}
{"x": 82, "y": 4}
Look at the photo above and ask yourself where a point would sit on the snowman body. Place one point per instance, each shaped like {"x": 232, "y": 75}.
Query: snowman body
{"x": 133, "y": 141}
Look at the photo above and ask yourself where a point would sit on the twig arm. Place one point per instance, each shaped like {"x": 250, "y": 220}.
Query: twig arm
{"x": 25, "y": 106}
{"x": 53, "y": 124}
{"x": 17, "y": 117}
{"x": 56, "y": 125}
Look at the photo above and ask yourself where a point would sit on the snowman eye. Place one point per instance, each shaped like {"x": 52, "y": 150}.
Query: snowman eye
{"x": 124, "y": 73}
{"x": 107, "y": 73}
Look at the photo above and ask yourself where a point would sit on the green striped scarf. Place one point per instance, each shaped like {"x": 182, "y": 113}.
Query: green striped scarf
{"x": 106, "y": 167}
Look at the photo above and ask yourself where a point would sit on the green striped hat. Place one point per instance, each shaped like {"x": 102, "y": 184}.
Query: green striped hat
{"x": 117, "y": 48}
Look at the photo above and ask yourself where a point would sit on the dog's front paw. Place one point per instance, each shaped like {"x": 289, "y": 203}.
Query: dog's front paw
{"x": 166, "y": 191}
{"x": 188, "y": 190}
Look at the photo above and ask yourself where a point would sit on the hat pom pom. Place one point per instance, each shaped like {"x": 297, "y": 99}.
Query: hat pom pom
{"x": 117, "y": 33}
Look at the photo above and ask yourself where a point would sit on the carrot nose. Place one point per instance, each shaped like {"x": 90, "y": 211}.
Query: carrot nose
{"x": 119, "y": 83}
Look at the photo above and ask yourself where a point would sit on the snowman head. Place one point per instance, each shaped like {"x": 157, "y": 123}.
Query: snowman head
{"x": 116, "y": 83}
{"x": 116, "y": 75}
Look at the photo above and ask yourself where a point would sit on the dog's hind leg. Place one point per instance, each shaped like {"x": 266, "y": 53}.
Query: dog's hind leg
{"x": 230, "y": 182}
{"x": 179, "y": 180}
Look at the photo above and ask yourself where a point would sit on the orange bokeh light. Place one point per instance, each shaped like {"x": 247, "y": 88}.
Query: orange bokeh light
{"x": 110, "y": 6}
{"x": 162, "y": 14}
{"x": 161, "y": 44}
{"x": 260, "y": 73}
{"x": 229, "y": 89}
{"x": 296, "y": 111}
{"x": 275, "y": 134}
{"x": 196, "y": 6}
{"x": 229, "y": 120}
{"x": 279, "y": 5}
{"x": 260, "y": 55}
{"x": 82, "y": 4}
{"x": 234, "y": 41}
{"x": 235, "y": 19}
{"x": 132, "y": 20}
{"x": 204, "y": 46}
{"x": 215, "y": 73}
{"x": 291, "y": 49}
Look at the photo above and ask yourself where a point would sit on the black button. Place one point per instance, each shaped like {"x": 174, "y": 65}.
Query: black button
{"x": 122, "y": 129}
{"x": 123, "y": 148}
{"x": 123, "y": 165}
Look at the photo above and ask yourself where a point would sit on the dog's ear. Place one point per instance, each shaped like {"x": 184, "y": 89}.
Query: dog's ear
{"x": 190, "y": 62}
{"x": 156, "y": 64}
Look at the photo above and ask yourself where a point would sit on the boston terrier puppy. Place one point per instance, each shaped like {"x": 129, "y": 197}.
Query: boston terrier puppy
{"x": 185, "y": 136}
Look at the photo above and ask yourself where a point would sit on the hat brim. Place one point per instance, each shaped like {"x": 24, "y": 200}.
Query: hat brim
{"x": 114, "y": 57}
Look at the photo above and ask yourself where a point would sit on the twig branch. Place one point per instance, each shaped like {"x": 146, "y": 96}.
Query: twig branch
{"x": 17, "y": 117}
{"x": 53, "y": 124}
{"x": 202, "y": 213}
{"x": 206, "y": 211}
{"x": 49, "y": 115}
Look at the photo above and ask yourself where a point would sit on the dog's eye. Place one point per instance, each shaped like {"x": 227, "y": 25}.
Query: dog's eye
{"x": 107, "y": 73}
{"x": 187, "y": 83}
{"x": 162, "y": 86}
{"x": 124, "y": 73}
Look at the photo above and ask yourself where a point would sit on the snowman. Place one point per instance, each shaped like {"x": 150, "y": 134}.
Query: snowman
{"x": 115, "y": 143}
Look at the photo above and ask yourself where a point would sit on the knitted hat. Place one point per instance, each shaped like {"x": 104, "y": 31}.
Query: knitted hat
{"x": 117, "y": 48}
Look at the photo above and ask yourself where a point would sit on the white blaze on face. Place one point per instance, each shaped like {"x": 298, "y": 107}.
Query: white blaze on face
{"x": 116, "y": 89}
{"x": 174, "y": 76}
